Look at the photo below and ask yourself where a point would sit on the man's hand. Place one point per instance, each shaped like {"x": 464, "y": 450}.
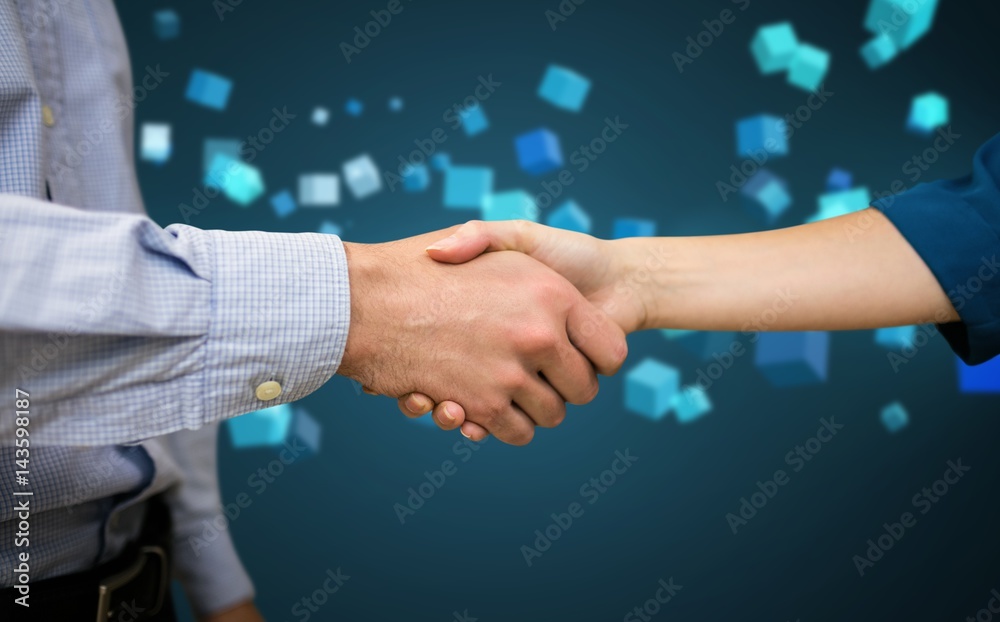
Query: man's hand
{"x": 505, "y": 336}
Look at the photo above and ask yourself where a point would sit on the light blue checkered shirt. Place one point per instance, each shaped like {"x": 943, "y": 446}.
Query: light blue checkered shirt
{"x": 132, "y": 340}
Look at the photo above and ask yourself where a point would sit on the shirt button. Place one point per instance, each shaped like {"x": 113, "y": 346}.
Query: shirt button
{"x": 48, "y": 118}
{"x": 267, "y": 391}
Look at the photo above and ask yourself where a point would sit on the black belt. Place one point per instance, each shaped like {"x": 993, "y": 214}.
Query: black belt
{"x": 132, "y": 587}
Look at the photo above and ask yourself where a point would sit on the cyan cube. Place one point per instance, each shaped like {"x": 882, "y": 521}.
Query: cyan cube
{"x": 983, "y": 378}
{"x": 353, "y": 107}
{"x": 215, "y": 146}
{"x": 361, "y": 176}
{"x": 793, "y": 359}
{"x": 833, "y": 204}
{"x": 166, "y": 24}
{"x": 691, "y": 403}
{"x": 705, "y": 344}
{"x": 283, "y": 204}
{"x": 569, "y": 216}
{"x": 564, "y": 88}
{"x": 905, "y": 21}
{"x": 330, "y": 228}
{"x": 474, "y": 120}
{"x": 763, "y": 134}
{"x": 538, "y": 152}
{"x": 511, "y": 205}
{"x": 240, "y": 182}
{"x": 208, "y": 89}
{"x": 879, "y": 51}
{"x": 263, "y": 428}
{"x": 768, "y": 194}
{"x": 320, "y": 116}
{"x": 304, "y": 434}
{"x": 896, "y": 337}
{"x": 467, "y": 186}
{"x": 774, "y": 46}
{"x": 440, "y": 162}
{"x": 416, "y": 178}
{"x": 319, "y": 190}
{"x": 894, "y": 417}
{"x": 155, "y": 143}
{"x": 633, "y": 228}
{"x": 839, "y": 179}
{"x": 650, "y": 387}
{"x": 927, "y": 113}
{"x": 674, "y": 334}
{"x": 808, "y": 67}
{"x": 395, "y": 104}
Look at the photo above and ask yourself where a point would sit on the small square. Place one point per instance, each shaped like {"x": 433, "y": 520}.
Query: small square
{"x": 896, "y": 337}
{"x": 761, "y": 137}
{"x": 633, "y": 228}
{"x": 474, "y": 120}
{"x": 240, "y": 182}
{"x": 467, "y": 186}
{"x": 263, "y": 428}
{"x": 538, "y": 152}
{"x": 808, "y": 67}
{"x": 927, "y": 113}
{"x": 396, "y": 104}
{"x": 512, "y": 205}
{"x": 440, "y": 162}
{"x": 353, "y": 107}
{"x": 769, "y": 195}
{"x": 416, "y": 178}
{"x": 329, "y": 227}
{"x": 894, "y": 417}
{"x": 571, "y": 217}
{"x": 691, "y": 403}
{"x": 650, "y": 388}
{"x": 792, "y": 359}
{"x": 319, "y": 190}
{"x": 320, "y": 116}
{"x": 283, "y": 204}
{"x": 213, "y": 146}
{"x": 155, "y": 143}
{"x": 839, "y": 179}
{"x": 564, "y": 88}
{"x": 774, "y": 46}
{"x": 362, "y": 177}
{"x": 879, "y": 51}
{"x": 209, "y": 89}
{"x": 166, "y": 24}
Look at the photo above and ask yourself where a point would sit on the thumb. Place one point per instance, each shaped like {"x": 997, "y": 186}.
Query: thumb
{"x": 477, "y": 237}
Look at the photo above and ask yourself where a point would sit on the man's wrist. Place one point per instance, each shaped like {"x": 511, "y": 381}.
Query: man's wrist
{"x": 363, "y": 274}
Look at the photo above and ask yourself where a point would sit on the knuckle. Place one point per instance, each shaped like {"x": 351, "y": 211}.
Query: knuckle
{"x": 536, "y": 339}
{"x": 520, "y": 436}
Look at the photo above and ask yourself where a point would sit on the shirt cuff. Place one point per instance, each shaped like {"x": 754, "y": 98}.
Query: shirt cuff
{"x": 212, "y": 576}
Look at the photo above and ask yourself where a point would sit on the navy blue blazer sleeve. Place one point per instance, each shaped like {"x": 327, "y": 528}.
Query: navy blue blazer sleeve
{"x": 955, "y": 228}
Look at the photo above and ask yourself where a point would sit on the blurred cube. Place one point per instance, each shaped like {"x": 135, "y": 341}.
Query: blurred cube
{"x": 215, "y": 146}
{"x": 894, "y": 417}
{"x": 569, "y": 216}
{"x": 633, "y": 228}
{"x": 905, "y": 21}
{"x": 320, "y": 116}
{"x": 263, "y": 428}
{"x": 564, "y": 88}
{"x": 306, "y": 431}
{"x": 839, "y": 179}
{"x": 808, "y": 67}
{"x": 416, "y": 178}
{"x": 166, "y": 24}
{"x": 396, "y": 104}
{"x": 762, "y": 133}
{"x": 674, "y": 334}
{"x": 155, "y": 143}
{"x": 240, "y": 182}
{"x": 319, "y": 190}
{"x": 793, "y": 359}
{"x": 353, "y": 107}
{"x": 208, "y": 89}
{"x": 927, "y": 113}
{"x": 691, "y": 403}
{"x": 896, "y": 337}
{"x": 705, "y": 344}
{"x": 768, "y": 194}
{"x": 283, "y": 204}
{"x": 330, "y": 228}
{"x": 983, "y": 378}
{"x": 474, "y": 120}
{"x": 361, "y": 176}
{"x": 467, "y": 186}
{"x": 440, "y": 161}
{"x": 834, "y": 204}
{"x": 650, "y": 387}
{"x": 774, "y": 46}
{"x": 879, "y": 51}
{"x": 538, "y": 152}
{"x": 511, "y": 205}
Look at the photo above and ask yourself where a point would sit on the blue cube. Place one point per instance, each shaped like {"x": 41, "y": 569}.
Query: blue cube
{"x": 896, "y": 337}
{"x": 538, "y": 152}
{"x": 416, "y": 178}
{"x": 353, "y": 107}
{"x": 214, "y": 146}
{"x": 769, "y": 195}
{"x": 569, "y": 216}
{"x": 240, "y": 182}
{"x": 691, "y": 403}
{"x": 650, "y": 387}
{"x": 808, "y": 67}
{"x": 705, "y": 344}
{"x": 361, "y": 176}
{"x": 304, "y": 434}
{"x": 834, "y": 204}
{"x": 564, "y": 88}
{"x": 879, "y": 51}
{"x": 774, "y": 46}
{"x": 905, "y": 21}
{"x": 320, "y": 116}
{"x": 283, "y": 203}
{"x": 839, "y": 179}
{"x": 319, "y": 190}
{"x": 208, "y": 89}
{"x": 467, "y": 186}
{"x": 474, "y": 120}
{"x": 330, "y": 228}
{"x": 396, "y": 104}
{"x": 166, "y": 24}
{"x": 263, "y": 428}
{"x": 511, "y": 205}
{"x": 675, "y": 334}
{"x": 983, "y": 378}
{"x": 633, "y": 228}
{"x": 793, "y": 359}
{"x": 894, "y": 417}
{"x": 762, "y": 135}
{"x": 440, "y": 162}
{"x": 927, "y": 113}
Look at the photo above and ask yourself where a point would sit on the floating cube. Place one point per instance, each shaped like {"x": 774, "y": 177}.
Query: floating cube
{"x": 564, "y": 88}
{"x": 983, "y": 378}
{"x": 879, "y": 51}
{"x": 896, "y": 338}
{"x": 569, "y": 216}
{"x": 904, "y": 21}
{"x": 633, "y": 228}
{"x": 761, "y": 135}
{"x": 467, "y": 186}
{"x": 650, "y": 387}
{"x": 416, "y": 178}
{"x": 155, "y": 143}
{"x": 353, "y": 107}
{"x": 808, "y": 67}
{"x": 474, "y": 120}
{"x": 240, "y": 182}
{"x": 538, "y": 152}
{"x": 691, "y": 403}
{"x": 705, "y": 344}
{"x": 166, "y": 24}
{"x": 927, "y": 113}
{"x": 396, "y": 104}
{"x": 306, "y": 430}
{"x": 834, "y": 204}
{"x": 839, "y": 179}
{"x": 774, "y": 46}
{"x": 263, "y": 428}
{"x": 208, "y": 89}
{"x": 319, "y": 190}
{"x": 511, "y": 205}
{"x": 673, "y": 334}
{"x": 214, "y": 146}
{"x": 440, "y": 161}
{"x": 793, "y": 359}
{"x": 283, "y": 203}
{"x": 330, "y": 228}
{"x": 361, "y": 176}
{"x": 320, "y": 116}
{"x": 769, "y": 193}
{"x": 894, "y": 417}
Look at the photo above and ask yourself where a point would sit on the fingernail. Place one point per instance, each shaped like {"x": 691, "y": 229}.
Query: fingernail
{"x": 447, "y": 413}
{"x": 416, "y": 405}
{"x": 465, "y": 435}
{"x": 443, "y": 245}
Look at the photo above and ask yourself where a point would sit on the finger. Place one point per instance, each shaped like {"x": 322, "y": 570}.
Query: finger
{"x": 415, "y": 404}
{"x": 476, "y": 237}
{"x": 449, "y": 415}
{"x": 571, "y": 374}
{"x": 474, "y": 431}
{"x": 541, "y": 402}
{"x": 598, "y": 337}
{"x": 509, "y": 424}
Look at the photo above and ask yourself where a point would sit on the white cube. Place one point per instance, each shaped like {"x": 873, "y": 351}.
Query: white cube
{"x": 319, "y": 190}
{"x": 361, "y": 176}
{"x": 320, "y": 116}
{"x": 155, "y": 142}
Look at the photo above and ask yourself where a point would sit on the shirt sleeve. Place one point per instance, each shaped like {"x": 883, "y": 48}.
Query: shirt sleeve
{"x": 121, "y": 330}
{"x": 955, "y": 228}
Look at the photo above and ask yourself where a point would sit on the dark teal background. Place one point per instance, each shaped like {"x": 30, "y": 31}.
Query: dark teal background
{"x": 666, "y": 516}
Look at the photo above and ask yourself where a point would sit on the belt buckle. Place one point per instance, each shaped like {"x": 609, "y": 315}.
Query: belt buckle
{"x": 108, "y": 586}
